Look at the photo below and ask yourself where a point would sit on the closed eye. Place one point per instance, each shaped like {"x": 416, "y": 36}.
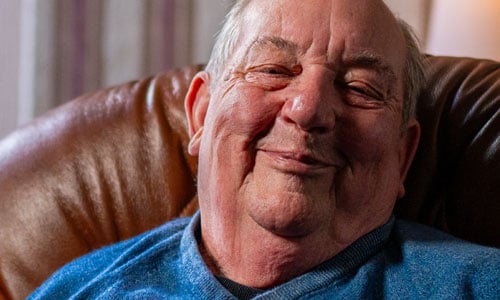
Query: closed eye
{"x": 275, "y": 70}
{"x": 365, "y": 90}
{"x": 270, "y": 76}
{"x": 360, "y": 94}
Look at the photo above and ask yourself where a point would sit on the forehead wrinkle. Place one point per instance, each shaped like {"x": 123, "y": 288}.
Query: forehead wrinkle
{"x": 332, "y": 41}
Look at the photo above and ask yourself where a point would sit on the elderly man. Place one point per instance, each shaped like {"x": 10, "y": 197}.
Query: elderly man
{"x": 304, "y": 127}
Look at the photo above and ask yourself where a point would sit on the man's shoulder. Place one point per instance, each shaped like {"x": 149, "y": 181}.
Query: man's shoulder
{"x": 165, "y": 236}
{"x": 423, "y": 239}
{"x": 161, "y": 241}
{"x": 437, "y": 262}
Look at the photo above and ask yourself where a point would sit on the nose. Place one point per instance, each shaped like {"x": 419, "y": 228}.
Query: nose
{"x": 311, "y": 104}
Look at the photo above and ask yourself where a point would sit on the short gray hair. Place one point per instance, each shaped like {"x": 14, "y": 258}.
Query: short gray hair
{"x": 413, "y": 80}
{"x": 226, "y": 39}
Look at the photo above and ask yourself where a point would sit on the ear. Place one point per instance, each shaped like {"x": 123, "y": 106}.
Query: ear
{"x": 407, "y": 150}
{"x": 196, "y": 106}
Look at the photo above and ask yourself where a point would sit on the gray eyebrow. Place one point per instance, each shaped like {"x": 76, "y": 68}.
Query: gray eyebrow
{"x": 277, "y": 42}
{"x": 371, "y": 61}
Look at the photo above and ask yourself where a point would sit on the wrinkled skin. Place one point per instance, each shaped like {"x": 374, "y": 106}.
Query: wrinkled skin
{"x": 300, "y": 145}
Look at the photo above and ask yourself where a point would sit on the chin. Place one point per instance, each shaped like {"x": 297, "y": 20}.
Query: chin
{"x": 291, "y": 217}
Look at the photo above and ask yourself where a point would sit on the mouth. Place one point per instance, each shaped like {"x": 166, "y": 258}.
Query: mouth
{"x": 297, "y": 162}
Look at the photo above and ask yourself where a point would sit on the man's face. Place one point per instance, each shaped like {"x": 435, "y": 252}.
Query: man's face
{"x": 302, "y": 132}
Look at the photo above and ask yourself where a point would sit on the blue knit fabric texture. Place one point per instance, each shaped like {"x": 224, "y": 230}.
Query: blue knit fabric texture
{"x": 399, "y": 260}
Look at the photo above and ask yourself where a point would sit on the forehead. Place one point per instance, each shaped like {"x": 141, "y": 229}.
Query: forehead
{"x": 326, "y": 30}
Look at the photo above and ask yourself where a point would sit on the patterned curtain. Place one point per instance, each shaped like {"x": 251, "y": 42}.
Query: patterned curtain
{"x": 103, "y": 42}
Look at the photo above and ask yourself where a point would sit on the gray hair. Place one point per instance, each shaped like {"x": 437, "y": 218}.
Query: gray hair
{"x": 413, "y": 81}
{"x": 226, "y": 39}
{"x": 414, "y": 78}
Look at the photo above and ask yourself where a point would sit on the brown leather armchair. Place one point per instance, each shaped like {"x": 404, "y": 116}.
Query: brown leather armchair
{"x": 112, "y": 164}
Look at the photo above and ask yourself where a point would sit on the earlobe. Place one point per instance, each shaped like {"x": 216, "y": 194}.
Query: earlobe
{"x": 196, "y": 106}
{"x": 407, "y": 151}
{"x": 194, "y": 142}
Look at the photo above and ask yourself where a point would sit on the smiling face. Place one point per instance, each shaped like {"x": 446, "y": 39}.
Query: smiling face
{"x": 300, "y": 137}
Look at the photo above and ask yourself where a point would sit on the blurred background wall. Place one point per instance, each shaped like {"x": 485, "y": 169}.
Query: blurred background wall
{"x": 55, "y": 50}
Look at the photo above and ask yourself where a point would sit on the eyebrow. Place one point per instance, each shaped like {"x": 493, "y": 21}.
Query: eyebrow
{"x": 370, "y": 60}
{"x": 274, "y": 41}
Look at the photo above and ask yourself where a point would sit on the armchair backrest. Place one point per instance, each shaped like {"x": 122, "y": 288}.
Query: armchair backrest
{"x": 113, "y": 164}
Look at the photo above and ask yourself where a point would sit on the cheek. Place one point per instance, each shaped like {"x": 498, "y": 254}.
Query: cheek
{"x": 232, "y": 125}
{"x": 245, "y": 112}
{"x": 368, "y": 137}
{"x": 370, "y": 142}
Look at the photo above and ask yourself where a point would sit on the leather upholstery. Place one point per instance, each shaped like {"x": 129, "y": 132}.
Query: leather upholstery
{"x": 112, "y": 164}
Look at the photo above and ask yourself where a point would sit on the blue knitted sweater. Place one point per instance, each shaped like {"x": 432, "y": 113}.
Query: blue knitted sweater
{"x": 399, "y": 260}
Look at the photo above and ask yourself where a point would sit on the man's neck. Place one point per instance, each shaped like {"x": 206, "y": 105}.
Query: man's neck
{"x": 265, "y": 260}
